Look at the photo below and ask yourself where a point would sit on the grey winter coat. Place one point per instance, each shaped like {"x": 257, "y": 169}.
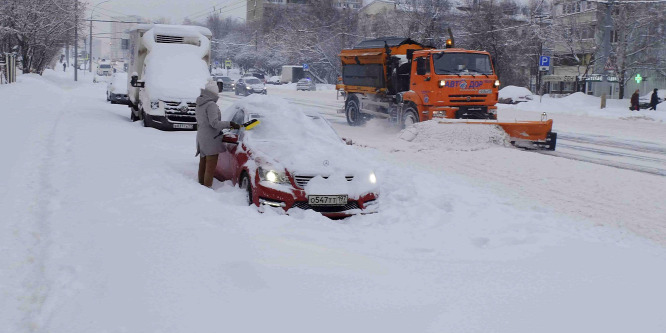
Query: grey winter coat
{"x": 209, "y": 124}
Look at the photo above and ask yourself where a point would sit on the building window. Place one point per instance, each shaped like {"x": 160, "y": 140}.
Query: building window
{"x": 614, "y": 37}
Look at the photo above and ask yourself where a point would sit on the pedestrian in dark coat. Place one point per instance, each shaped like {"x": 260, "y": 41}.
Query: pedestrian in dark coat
{"x": 654, "y": 100}
{"x": 634, "y": 101}
{"x": 209, "y": 126}
{"x": 64, "y": 66}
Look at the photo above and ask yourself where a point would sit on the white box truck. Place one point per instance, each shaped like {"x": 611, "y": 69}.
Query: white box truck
{"x": 291, "y": 74}
{"x": 168, "y": 66}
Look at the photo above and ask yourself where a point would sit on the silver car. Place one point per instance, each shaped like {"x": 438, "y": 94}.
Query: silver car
{"x": 306, "y": 84}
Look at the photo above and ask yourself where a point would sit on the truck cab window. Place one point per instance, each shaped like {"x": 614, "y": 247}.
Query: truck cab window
{"x": 422, "y": 66}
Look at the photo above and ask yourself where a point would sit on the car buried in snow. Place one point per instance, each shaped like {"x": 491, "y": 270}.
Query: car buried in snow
{"x": 116, "y": 90}
{"x": 294, "y": 160}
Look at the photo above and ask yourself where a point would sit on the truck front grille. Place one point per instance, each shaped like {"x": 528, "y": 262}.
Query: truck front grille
{"x": 169, "y": 39}
{"x": 467, "y": 98}
{"x": 303, "y": 181}
{"x": 176, "y": 112}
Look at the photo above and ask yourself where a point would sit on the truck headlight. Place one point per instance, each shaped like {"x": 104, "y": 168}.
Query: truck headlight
{"x": 273, "y": 176}
{"x": 372, "y": 178}
{"x": 497, "y": 83}
{"x": 442, "y": 83}
{"x": 155, "y": 105}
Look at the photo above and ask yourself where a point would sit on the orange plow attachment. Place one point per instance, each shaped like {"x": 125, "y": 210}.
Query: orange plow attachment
{"x": 524, "y": 134}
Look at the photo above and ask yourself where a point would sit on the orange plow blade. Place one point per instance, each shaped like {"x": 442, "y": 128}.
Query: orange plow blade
{"x": 524, "y": 134}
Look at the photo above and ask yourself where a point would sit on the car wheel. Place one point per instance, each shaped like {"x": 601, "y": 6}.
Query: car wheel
{"x": 247, "y": 187}
{"x": 353, "y": 113}
{"x": 133, "y": 116}
{"x": 409, "y": 118}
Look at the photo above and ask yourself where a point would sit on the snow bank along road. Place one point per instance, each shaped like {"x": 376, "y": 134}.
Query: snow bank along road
{"x": 105, "y": 229}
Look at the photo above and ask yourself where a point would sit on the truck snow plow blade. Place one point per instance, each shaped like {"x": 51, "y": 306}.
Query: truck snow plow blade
{"x": 523, "y": 134}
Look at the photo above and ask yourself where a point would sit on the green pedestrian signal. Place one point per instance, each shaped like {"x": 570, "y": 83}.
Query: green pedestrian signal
{"x": 638, "y": 78}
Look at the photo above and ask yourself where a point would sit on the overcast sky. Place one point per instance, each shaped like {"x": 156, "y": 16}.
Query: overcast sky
{"x": 174, "y": 10}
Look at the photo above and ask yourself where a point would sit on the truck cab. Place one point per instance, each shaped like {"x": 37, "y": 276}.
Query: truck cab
{"x": 168, "y": 66}
{"x": 453, "y": 83}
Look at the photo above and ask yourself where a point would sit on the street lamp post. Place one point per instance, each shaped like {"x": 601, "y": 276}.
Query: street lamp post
{"x": 90, "y": 53}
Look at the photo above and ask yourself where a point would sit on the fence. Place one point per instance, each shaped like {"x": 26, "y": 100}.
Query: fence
{"x": 7, "y": 68}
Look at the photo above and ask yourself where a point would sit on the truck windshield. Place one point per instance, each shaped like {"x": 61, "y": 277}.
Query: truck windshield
{"x": 461, "y": 63}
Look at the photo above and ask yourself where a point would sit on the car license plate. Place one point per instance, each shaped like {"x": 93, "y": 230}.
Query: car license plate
{"x": 485, "y": 91}
{"x": 327, "y": 200}
{"x": 187, "y": 126}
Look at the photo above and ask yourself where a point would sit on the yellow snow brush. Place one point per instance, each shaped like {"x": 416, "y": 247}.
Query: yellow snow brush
{"x": 251, "y": 124}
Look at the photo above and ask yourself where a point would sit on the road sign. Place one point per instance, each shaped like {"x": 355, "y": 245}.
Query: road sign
{"x": 227, "y": 64}
{"x": 544, "y": 63}
{"x": 638, "y": 78}
{"x": 306, "y": 67}
{"x": 217, "y": 63}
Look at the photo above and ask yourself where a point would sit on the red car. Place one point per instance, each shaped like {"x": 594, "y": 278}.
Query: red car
{"x": 294, "y": 160}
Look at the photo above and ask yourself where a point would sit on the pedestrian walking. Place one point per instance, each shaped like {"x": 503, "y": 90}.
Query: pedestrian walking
{"x": 209, "y": 125}
{"x": 634, "y": 101}
{"x": 64, "y": 66}
{"x": 654, "y": 100}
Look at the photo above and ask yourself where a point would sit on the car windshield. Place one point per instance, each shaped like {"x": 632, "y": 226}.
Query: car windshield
{"x": 225, "y": 79}
{"x": 104, "y": 66}
{"x": 304, "y": 80}
{"x": 461, "y": 63}
{"x": 252, "y": 81}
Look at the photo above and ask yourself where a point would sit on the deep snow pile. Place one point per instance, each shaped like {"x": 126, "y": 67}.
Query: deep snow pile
{"x": 433, "y": 135}
{"x": 587, "y": 105}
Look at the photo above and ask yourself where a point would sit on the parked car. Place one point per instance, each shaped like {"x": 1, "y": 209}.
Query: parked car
{"x": 294, "y": 160}
{"x": 104, "y": 69}
{"x": 306, "y": 84}
{"x": 224, "y": 83}
{"x": 273, "y": 80}
{"x": 249, "y": 85}
{"x": 116, "y": 90}
{"x": 259, "y": 76}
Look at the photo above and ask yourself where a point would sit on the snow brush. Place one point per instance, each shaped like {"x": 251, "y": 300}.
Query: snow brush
{"x": 250, "y": 124}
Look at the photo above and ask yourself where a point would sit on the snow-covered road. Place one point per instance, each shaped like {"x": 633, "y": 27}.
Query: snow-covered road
{"x": 105, "y": 229}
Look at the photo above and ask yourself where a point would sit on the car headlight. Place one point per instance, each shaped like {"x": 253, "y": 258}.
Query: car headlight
{"x": 154, "y": 105}
{"x": 497, "y": 83}
{"x": 273, "y": 176}
{"x": 372, "y": 178}
{"x": 442, "y": 83}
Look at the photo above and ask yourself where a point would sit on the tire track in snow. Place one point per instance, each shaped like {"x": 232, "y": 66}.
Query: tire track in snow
{"x": 645, "y": 157}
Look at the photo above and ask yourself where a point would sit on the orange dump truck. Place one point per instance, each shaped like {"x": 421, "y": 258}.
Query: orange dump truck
{"x": 407, "y": 82}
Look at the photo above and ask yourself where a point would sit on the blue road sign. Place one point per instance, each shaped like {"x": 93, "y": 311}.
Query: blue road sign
{"x": 306, "y": 67}
{"x": 544, "y": 61}
{"x": 217, "y": 63}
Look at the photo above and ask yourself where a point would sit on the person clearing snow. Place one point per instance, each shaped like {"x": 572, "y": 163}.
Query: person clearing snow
{"x": 209, "y": 125}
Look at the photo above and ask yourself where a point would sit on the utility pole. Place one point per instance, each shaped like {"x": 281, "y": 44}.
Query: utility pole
{"x": 76, "y": 40}
{"x": 608, "y": 24}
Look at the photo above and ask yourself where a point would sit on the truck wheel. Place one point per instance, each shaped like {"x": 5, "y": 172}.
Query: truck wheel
{"x": 247, "y": 187}
{"x": 410, "y": 117}
{"x": 133, "y": 116}
{"x": 353, "y": 113}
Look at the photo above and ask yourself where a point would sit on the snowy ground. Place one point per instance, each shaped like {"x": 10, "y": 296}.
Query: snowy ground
{"x": 105, "y": 229}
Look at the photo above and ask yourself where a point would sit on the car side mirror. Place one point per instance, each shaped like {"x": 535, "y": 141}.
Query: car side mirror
{"x": 230, "y": 138}
{"x": 135, "y": 82}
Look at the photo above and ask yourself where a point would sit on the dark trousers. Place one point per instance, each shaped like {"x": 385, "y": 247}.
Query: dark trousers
{"x": 207, "y": 166}
{"x": 653, "y": 107}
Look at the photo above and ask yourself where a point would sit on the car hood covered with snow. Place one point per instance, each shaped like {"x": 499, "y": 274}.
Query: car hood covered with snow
{"x": 303, "y": 144}
{"x": 175, "y": 71}
{"x": 118, "y": 84}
